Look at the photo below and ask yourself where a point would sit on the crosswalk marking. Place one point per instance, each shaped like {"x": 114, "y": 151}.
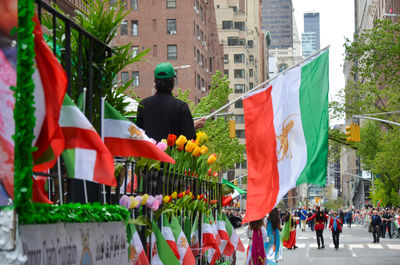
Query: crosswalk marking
{"x": 377, "y": 246}
{"x": 301, "y": 245}
{"x": 397, "y": 247}
{"x": 303, "y": 237}
{"x": 332, "y": 245}
{"x": 356, "y": 246}
{"x": 313, "y": 245}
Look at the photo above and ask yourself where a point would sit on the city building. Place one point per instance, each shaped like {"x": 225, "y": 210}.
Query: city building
{"x": 183, "y": 33}
{"x": 311, "y": 36}
{"x": 277, "y": 18}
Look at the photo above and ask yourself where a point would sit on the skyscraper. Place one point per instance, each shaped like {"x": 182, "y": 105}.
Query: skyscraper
{"x": 278, "y": 20}
{"x": 311, "y": 37}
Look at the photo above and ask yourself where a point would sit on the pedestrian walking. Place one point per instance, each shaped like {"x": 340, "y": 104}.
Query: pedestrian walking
{"x": 319, "y": 218}
{"x": 349, "y": 218}
{"x": 375, "y": 225}
{"x": 303, "y": 217}
{"x": 335, "y": 224}
{"x": 256, "y": 252}
{"x": 289, "y": 232}
{"x": 273, "y": 245}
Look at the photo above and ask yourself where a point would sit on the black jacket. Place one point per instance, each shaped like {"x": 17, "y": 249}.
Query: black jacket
{"x": 163, "y": 114}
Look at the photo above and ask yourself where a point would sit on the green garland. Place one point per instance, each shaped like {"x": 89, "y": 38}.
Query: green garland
{"x": 24, "y": 111}
{"x": 74, "y": 213}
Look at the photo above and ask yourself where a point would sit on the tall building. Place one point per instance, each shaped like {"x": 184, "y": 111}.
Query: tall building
{"x": 277, "y": 18}
{"x": 311, "y": 37}
{"x": 183, "y": 33}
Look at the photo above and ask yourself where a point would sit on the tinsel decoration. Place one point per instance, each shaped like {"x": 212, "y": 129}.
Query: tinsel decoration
{"x": 24, "y": 111}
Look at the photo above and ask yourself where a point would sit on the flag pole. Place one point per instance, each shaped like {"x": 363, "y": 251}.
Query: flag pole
{"x": 264, "y": 83}
{"x": 61, "y": 194}
{"x": 102, "y": 138}
{"x": 83, "y": 110}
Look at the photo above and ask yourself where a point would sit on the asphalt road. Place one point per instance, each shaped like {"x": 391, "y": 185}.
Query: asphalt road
{"x": 355, "y": 248}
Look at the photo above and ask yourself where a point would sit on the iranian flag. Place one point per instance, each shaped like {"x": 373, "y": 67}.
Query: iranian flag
{"x": 169, "y": 237}
{"x": 226, "y": 246}
{"x": 160, "y": 250}
{"x": 186, "y": 255}
{"x": 233, "y": 237}
{"x": 136, "y": 253}
{"x": 210, "y": 242}
{"x": 123, "y": 138}
{"x": 286, "y": 127}
{"x": 86, "y": 156}
{"x": 226, "y": 200}
{"x": 194, "y": 237}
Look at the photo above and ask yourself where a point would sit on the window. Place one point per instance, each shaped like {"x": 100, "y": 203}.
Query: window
{"x": 198, "y": 81}
{"x": 239, "y": 88}
{"x": 201, "y": 13}
{"x": 240, "y": 25}
{"x": 202, "y": 61}
{"x": 135, "y": 27}
{"x": 211, "y": 65}
{"x": 124, "y": 27}
{"x": 251, "y": 72}
{"x": 251, "y": 58}
{"x": 239, "y": 118}
{"x": 124, "y": 77}
{"x": 154, "y": 25}
{"x": 135, "y": 51}
{"x": 235, "y": 41}
{"x": 172, "y": 52}
{"x": 239, "y": 104}
{"x": 176, "y": 77}
{"x": 250, "y": 43}
{"x": 251, "y": 85}
{"x": 282, "y": 67}
{"x": 135, "y": 78}
{"x": 227, "y": 24}
{"x": 198, "y": 57}
{"x": 201, "y": 35}
{"x": 226, "y": 72}
{"x": 134, "y": 4}
{"x": 197, "y": 31}
{"x": 240, "y": 134}
{"x": 238, "y": 58}
{"x": 155, "y": 50}
{"x": 171, "y": 26}
{"x": 226, "y": 58}
{"x": 202, "y": 82}
{"x": 171, "y": 3}
{"x": 239, "y": 73}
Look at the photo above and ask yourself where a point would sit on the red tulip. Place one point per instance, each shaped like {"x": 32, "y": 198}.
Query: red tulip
{"x": 171, "y": 139}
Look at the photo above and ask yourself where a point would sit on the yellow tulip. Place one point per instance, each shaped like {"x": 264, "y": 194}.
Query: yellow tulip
{"x": 196, "y": 151}
{"x": 190, "y": 194}
{"x": 166, "y": 199}
{"x": 174, "y": 195}
{"x": 181, "y": 141}
{"x": 164, "y": 141}
{"x": 203, "y": 149}
{"x": 134, "y": 202}
{"x": 211, "y": 159}
{"x": 201, "y": 137}
{"x": 144, "y": 198}
{"x": 190, "y": 146}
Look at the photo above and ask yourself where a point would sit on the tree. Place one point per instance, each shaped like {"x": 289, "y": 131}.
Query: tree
{"x": 375, "y": 57}
{"x": 228, "y": 150}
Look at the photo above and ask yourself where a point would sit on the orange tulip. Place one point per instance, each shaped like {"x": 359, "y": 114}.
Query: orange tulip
{"x": 181, "y": 141}
{"x": 190, "y": 146}
{"x": 211, "y": 159}
{"x": 196, "y": 151}
{"x": 203, "y": 149}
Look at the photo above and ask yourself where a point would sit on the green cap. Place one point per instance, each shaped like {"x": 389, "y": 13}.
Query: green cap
{"x": 164, "y": 70}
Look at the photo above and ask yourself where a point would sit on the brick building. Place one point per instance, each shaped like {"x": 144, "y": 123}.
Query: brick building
{"x": 183, "y": 33}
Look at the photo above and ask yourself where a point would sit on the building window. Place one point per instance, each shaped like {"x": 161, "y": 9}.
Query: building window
{"x": 176, "y": 77}
{"x": 239, "y": 73}
{"x": 171, "y": 3}
{"x": 198, "y": 32}
{"x": 135, "y": 78}
{"x": 239, "y": 88}
{"x": 134, "y": 4}
{"x": 235, "y": 41}
{"x": 227, "y": 24}
{"x": 250, "y": 43}
{"x": 251, "y": 58}
{"x": 238, "y": 58}
{"x": 282, "y": 67}
{"x": 240, "y": 134}
{"x": 198, "y": 81}
{"x": 154, "y": 25}
{"x": 251, "y": 85}
{"x": 171, "y": 26}
{"x": 124, "y": 77}
{"x": 201, "y": 13}
{"x": 172, "y": 52}
{"x": 239, "y": 104}
{"x": 201, "y": 35}
{"x": 202, "y": 61}
{"x": 240, "y": 25}
{"x": 124, "y": 27}
{"x": 226, "y": 58}
{"x": 202, "y": 83}
{"x": 135, "y": 51}
{"x": 239, "y": 118}
{"x": 155, "y": 50}
{"x": 226, "y": 72}
{"x": 135, "y": 27}
{"x": 251, "y": 72}
{"x": 198, "y": 57}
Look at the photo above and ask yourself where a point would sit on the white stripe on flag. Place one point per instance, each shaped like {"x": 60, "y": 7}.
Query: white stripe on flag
{"x": 85, "y": 159}
{"x": 71, "y": 116}
{"x": 120, "y": 129}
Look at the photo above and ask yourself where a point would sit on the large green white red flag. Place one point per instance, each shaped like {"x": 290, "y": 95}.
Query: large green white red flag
{"x": 226, "y": 246}
{"x": 234, "y": 238}
{"x": 186, "y": 255}
{"x": 124, "y": 138}
{"x": 169, "y": 237}
{"x": 194, "y": 237}
{"x": 161, "y": 254}
{"x": 286, "y": 127}
{"x": 85, "y": 156}
{"x": 136, "y": 253}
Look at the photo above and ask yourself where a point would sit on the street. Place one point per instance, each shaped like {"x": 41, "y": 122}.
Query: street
{"x": 355, "y": 247}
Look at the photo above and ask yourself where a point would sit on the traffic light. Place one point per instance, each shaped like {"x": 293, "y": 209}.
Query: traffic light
{"x": 353, "y": 133}
{"x": 232, "y": 129}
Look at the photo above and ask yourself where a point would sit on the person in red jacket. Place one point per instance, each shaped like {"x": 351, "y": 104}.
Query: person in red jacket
{"x": 319, "y": 218}
{"x": 335, "y": 224}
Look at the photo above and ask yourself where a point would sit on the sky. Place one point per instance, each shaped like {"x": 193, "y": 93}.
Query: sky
{"x": 336, "y": 23}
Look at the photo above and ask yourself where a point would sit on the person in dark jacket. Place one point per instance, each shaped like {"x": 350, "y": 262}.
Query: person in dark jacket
{"x": 376, "y": 223}
{"x": 162, "y": 113}
{"x": 319, "y": 217}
